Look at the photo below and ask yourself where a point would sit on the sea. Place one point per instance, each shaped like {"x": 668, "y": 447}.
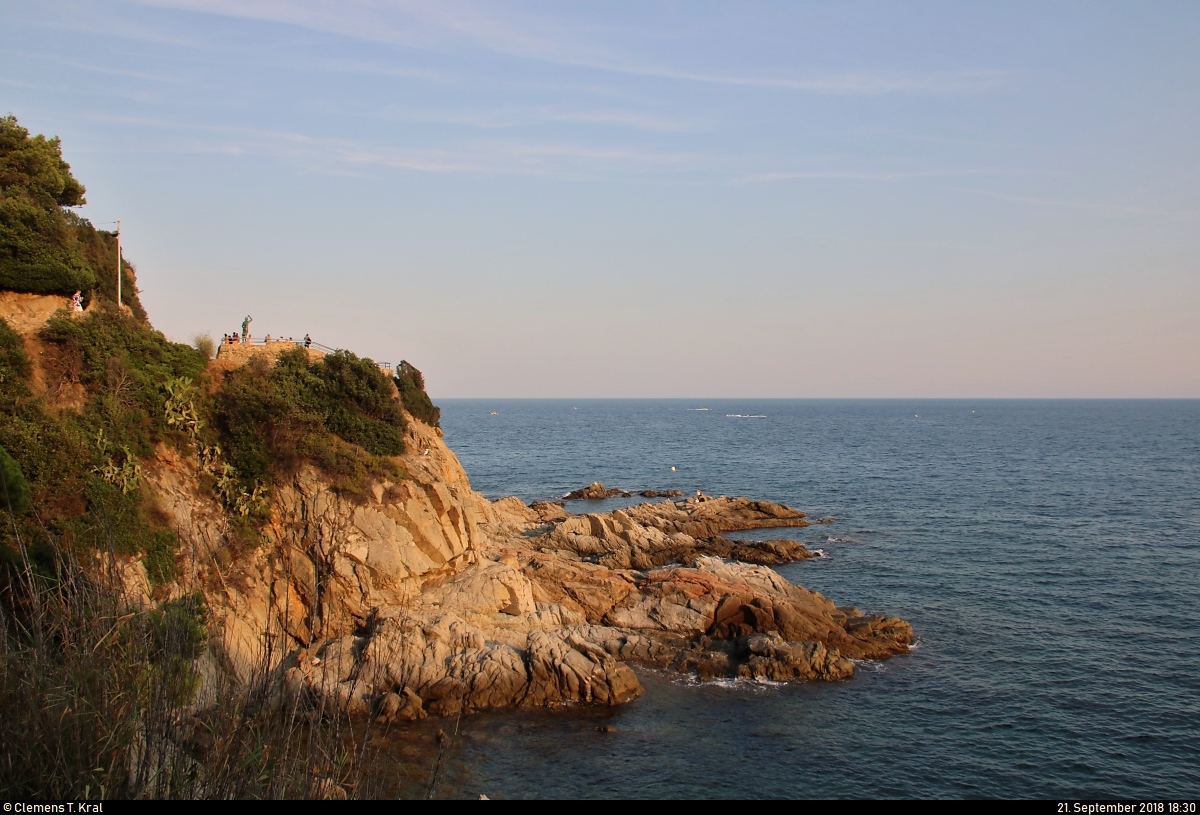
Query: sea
{"x": 1047, "y": 554}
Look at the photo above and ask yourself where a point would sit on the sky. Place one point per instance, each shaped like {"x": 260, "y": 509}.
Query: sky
{"x": 651, "y": 199}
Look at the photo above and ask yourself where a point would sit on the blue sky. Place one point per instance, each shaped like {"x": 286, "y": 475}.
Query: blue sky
{"x": 651, "y": 199}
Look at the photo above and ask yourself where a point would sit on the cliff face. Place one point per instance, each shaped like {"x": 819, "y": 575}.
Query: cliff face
{"x": 428, "y": 599}
{"x": 327, "y": 563}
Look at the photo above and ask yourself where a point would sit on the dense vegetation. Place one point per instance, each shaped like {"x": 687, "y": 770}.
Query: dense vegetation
{"x": 411, "y": 385}
{"x": 338, "y": 413}
{"x": 127, "y": 388}
{"x": 44, "y": 247}
{"x": 82, "y": 465}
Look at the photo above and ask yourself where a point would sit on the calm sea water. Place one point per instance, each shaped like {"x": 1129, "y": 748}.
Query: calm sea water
{"x": 1046, "y": 552}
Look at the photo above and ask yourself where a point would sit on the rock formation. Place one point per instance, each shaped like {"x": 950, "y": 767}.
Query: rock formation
{"x": 596, "y": 490}
{"x": 427, "y": 599}
{"x": 650, "y": 535}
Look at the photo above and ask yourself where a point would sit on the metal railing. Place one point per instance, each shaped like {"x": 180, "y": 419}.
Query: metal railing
{"x": 324, "y": 349}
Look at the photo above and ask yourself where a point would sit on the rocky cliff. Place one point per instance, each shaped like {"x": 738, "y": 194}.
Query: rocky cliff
{"x": 418, "y": 596}
{"x": 328, "y": 564}
{"x": 428, "y": 599}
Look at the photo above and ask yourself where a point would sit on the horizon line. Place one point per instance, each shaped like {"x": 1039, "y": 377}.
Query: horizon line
{"x": 833, "y": 398}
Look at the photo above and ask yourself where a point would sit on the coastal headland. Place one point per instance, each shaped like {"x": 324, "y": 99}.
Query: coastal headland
{"x": 417, "y": 596}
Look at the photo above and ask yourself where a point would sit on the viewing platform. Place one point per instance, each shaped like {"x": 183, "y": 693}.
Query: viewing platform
{"x": 235, "y": 354}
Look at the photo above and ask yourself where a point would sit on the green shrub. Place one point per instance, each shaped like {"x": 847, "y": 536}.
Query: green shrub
{"x": 14, "y": 367}
{"x": 39, "y": 252}
{"x": 337, "y": 413}
{"x": 125, "y": 366}
{"x": 411, "y": 385}
{"x": 83, "y": 466}
{"x": 159, "y": 548}
{"x": 54, "y": 452}
{"x": 263, "y": 414}
{"x": 14, "y": 489}
{"x": 178, "y": 627}
{"x": 122, "y": 521}
{"x": 359, "y": 405}
{"x": 352, "y": 469}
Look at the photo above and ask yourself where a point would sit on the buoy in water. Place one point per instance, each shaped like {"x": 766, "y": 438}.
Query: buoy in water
{"x": 672, "y": 469}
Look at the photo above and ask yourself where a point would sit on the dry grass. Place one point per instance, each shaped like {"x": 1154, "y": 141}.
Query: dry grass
{"x": 99, "y": 700}
{"x": 205, "y": 344}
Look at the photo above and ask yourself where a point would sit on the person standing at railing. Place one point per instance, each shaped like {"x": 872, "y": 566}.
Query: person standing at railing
{"x": 307, "y": 341}
{"x": 246, "y": 328}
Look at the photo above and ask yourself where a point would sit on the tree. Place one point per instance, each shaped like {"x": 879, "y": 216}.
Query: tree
{"x": 34, "y": 165}
{"x": 39, "y": 247}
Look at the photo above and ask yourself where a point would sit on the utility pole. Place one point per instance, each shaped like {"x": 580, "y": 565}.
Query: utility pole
{"x": 118, "y": 264}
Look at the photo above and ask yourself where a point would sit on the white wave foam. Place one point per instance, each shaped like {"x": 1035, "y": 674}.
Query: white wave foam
{"x": 728, "y": 683}
{"x": 875, "y": 666}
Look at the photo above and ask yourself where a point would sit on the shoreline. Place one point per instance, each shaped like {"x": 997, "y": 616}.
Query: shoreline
{"x": 560, "y": 605}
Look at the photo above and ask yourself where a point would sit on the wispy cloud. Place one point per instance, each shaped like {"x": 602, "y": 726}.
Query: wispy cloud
{"x": 363, "y": 67}
{"x": 476, "y": 157}
{"x": 479, "y": 120}
{"x": 450, "y": 24}
{"x": 871, "y": 175}
{"x": 1095, "y": 207}
{"x": 514, "y": 117}
{"x": 859, "y": 83}
{"x": 102, "y": 69}
{"x": 32, "y": 86}
{"x": 624, "y": 118}
{"x": 96, "y": 18}
{"x": 515, "y": 157}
